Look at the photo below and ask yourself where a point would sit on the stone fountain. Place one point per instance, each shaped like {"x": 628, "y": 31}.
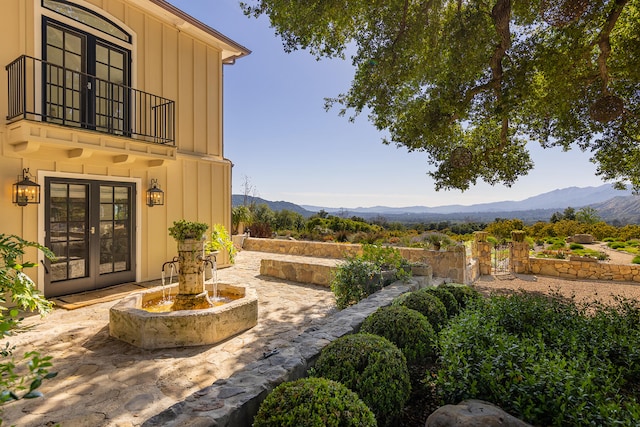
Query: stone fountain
{"x": 194, "y": 319}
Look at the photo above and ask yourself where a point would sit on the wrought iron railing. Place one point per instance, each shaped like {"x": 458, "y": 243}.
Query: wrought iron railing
{"x": 42, "y": 91}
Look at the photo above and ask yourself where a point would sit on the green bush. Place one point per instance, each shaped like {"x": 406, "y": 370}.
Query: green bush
{"x": 21, "y": 378}
{"x": 575, "y": 246}
{"x": 387, "y": 258}
{"x": 360, "y": 276}
{"x": 545, "y": 360}
{"x": 428, "y": 305}
{"x": 636, "y": 259}
{"x": 447, "y": 298}
{"x": 617, "y": 245}
{"x": 371, "y": 366}
{"x": 313, "y": 402}
{"x": 409, "y": 330}
{"x": 464, "y": 294}
{"x": 354, "y": 280}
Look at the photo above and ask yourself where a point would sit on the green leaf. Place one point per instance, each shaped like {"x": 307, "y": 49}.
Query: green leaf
{"x": 33, "y": 394}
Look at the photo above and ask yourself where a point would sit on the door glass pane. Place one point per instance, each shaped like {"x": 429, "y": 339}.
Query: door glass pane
{"x": 73, "y": 44}
{"x": 55, "y": 55}
{"x": 115, "y": 250}
{"x": 54, "y": 37}
{"x": 63, "y": 83}
{"x": 73, "y": 62}
{"x": 117, "y": 59}
{"x": 67, "y": 230}
{"x": 110, "y": 96}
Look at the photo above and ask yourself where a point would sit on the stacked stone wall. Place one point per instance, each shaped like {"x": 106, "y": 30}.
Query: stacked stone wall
{"x": 450, "y": 263}
{"x": 305, "y": 272}
{"x": 584, "y": 269}
{"x": 302, "y": 248}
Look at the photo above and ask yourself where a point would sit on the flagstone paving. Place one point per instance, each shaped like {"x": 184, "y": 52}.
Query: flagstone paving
{"x": 105, "y": 382}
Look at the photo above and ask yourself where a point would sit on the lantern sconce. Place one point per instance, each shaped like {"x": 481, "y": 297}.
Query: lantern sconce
{"x": 155, "y": 196}
{"x": 26, "y": 192}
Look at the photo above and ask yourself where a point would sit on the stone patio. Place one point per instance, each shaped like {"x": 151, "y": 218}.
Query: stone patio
{"x": 105, "y": 382}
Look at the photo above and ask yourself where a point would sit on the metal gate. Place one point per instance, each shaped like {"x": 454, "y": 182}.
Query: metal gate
{"x": 500, "y": 262}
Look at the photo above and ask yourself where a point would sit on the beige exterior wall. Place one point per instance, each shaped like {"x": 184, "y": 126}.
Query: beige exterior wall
{"x": 170, "y": 58}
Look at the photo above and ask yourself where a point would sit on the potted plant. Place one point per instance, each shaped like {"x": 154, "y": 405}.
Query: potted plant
{"x": 190, "y": 237}
{"x": 187, "y": 230}
{"x": 240, "y": 217}
{"x": 221, "y": 242}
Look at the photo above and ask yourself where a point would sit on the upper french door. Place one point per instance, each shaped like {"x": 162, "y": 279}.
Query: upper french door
{"x": 85, "y": 80}
{"x": 90, "y": 228}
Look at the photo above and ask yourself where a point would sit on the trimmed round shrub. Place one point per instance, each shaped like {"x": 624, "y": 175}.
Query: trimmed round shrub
{"x": 450, "y": 302}
{"x": 409, "y": 330}
{"x": 371, "y": 366}
{"x": 463, "y": 294}
{"x": 313, "y": 402}
{"x": 428, "y": 305}
{"x": 636, "y": 260}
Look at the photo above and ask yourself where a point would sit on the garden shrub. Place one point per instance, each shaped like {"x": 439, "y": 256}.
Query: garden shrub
{"x": 464, "y": 294}
{"x": 371, "y": 366}
{"x": 20, "y": 376}
{"x": 360, "y": 276}
{"x": 428, "y": 305}
{"x": 409, "y": 330}
{"x": 354, "y": 281}
{"x": 386, "y": 257}
{"x": 636, "y": 259}
{"x": 546, "y": 360}
{"x": 313, "y": 402}
{"x": 447, "y": 298}
{"x": 617, "y": 245}
{"x": 575, "y": 246}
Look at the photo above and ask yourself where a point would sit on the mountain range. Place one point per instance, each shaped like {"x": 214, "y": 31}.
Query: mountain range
{"x": 619, "y": 206}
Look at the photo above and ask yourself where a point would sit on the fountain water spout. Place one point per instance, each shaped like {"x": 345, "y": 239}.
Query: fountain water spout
{"x": 210, "y": 260}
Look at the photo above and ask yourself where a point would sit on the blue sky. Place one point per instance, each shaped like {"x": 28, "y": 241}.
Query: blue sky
{"x": 286, "y": 145}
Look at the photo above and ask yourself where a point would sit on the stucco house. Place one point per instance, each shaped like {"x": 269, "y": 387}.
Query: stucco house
{"x": 109, "y": 106}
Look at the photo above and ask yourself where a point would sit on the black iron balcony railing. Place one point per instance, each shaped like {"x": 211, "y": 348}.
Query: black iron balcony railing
{"x": 42, "y": 91}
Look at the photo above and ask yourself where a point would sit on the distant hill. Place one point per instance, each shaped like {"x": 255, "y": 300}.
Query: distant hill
{"x": 557, "y": 199}
{"x": 625, "y": 209}
{"x": 239, "y": 199}
{"x": 611, "y": 204}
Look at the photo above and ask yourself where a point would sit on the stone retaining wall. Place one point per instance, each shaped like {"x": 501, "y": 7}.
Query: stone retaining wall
{"x": 590, "y": 269}
{"x": 302, "y": 248}
{"x": 450, "y": 263}
{"x": 305, "y": 272}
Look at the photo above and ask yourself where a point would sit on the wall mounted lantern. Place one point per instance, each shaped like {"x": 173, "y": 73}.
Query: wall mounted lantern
{"x": 26, "y": 191}
{"x": 155, "y": 196}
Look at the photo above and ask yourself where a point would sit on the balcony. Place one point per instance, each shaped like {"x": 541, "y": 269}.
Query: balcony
{"x": 43, "y": 92}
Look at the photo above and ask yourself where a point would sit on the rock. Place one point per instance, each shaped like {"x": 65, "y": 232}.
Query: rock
{"x": 473, "y": 413}
{"x": 583, "y": 238}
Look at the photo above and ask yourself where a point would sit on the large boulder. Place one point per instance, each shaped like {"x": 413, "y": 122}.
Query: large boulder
{"x": 585, "y": 239}
{"x": 473, "y": 413}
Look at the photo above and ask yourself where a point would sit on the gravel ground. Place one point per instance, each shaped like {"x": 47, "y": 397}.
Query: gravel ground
{"x": 582, "y": 290}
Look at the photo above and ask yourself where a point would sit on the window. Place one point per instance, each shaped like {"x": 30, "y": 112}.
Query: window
{"x": 87, "y": 17}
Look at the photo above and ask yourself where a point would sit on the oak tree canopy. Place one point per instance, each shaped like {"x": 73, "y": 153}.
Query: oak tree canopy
{"x": 471, "y": 83}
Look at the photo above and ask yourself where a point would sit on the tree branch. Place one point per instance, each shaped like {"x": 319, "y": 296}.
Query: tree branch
{"x": 501, "y": 15}
{"x": 604, "y": 43}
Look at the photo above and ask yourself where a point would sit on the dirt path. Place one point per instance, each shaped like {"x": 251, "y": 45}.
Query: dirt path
{"x": 582, "y": 290}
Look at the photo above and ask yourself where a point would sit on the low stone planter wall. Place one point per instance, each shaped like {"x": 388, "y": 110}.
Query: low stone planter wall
{"x": 302, "y": 248}
{"x": 584, "y": 269}
{"x": 321, "y": 271}
{"x": 314, "y": 273}
{"x": 450, "y": 263}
